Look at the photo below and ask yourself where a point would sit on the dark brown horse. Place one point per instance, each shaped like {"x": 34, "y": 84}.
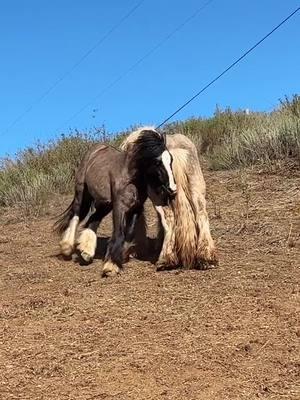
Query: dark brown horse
{"x": 111, "y": 180}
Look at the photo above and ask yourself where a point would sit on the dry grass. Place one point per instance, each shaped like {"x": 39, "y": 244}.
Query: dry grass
{"x": 227, "y": 140}
{"x": 29, "y": 180}
{"x": 234, "y": 139}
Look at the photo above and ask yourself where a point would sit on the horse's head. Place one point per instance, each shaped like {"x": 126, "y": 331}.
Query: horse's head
{"x": 156, "y": 163}
{"x": 160, "y": 177}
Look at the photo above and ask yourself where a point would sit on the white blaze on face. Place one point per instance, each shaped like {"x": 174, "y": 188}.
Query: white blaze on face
{"x": 166, "y": 160}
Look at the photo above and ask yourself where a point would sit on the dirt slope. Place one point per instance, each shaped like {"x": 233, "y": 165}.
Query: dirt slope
{"x": 227, "y": 333}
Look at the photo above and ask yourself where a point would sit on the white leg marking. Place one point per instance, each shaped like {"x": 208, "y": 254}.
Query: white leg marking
{"x": 166, "y": 159}
{"x": 87, "y": 243}
{"x": 165, "y": 251}
{"x": 110, "y": 269}
{"x": 161, "y": 213}
{"x": 68, "y": 239}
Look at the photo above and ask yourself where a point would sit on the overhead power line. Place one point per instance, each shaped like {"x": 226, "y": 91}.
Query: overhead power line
{"x": 228, "y": 68}
{"x": 139, "y": 61}
{"x": 74, "y": 66}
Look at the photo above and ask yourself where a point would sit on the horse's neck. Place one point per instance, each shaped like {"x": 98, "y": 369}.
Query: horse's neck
{"x": 136, "y": 175}
{"x": 134, "y": 167}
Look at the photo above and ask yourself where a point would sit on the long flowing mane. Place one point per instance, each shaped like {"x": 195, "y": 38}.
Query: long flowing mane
{"x": 131, "y": 139}
{"x": 148, "y": 145}
{"x": 188, "y": 241}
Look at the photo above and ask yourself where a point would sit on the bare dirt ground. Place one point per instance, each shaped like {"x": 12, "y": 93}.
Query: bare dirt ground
{"x": 226, "y": 333}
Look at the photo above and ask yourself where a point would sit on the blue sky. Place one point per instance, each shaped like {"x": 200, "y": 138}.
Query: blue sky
{"x": 41, "y": 40}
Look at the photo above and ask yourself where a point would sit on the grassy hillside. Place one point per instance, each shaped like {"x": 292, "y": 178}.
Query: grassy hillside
{"x": 233, "y": 139}
{"x": 227, "y": 140}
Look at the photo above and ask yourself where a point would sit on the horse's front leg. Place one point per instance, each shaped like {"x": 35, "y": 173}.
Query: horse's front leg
{"x": 168, "y": 255}
{"x": 133, "y": 233}
{"x": 119, "y": 245}
{"x": 125, "y": 215}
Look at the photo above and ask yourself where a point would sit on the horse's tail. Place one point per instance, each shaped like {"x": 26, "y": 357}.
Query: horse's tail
{"x": 64, "y": 219}
{"x": 82, "y": 200}
{"x": 186, "y": 230}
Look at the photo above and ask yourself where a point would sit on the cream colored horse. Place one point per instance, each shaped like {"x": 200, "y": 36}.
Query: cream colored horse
{"x": 187, "y": 239}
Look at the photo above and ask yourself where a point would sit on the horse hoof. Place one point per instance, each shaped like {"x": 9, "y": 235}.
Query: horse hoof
{"x": 86, "y": 257}
{"x": 160, "y": 267}
{"x": 66, "y": 249}
{"x": 207, "y": 257}
{"x": 165, "y": 267}
{"x": 109, "y": 274}
{"x": 206, "y": 264}
{"x": 110, "y": 270}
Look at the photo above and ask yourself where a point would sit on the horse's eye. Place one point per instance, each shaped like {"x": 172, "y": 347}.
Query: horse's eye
{"x": 157, "y": 162}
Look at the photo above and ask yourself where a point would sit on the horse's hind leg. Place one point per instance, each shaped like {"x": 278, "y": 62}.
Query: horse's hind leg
{"x": 68, "y": 239}
{"x": 87, "y": 241}
{"x": 77, "y": 212}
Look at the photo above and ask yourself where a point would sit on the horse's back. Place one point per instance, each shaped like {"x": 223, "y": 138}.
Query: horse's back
{"x": 180, "y": 141}
{"x": 100, "y": 163}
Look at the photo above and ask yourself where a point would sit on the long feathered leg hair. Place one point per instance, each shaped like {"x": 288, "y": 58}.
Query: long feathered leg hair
{"x": 187, "y": 239}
